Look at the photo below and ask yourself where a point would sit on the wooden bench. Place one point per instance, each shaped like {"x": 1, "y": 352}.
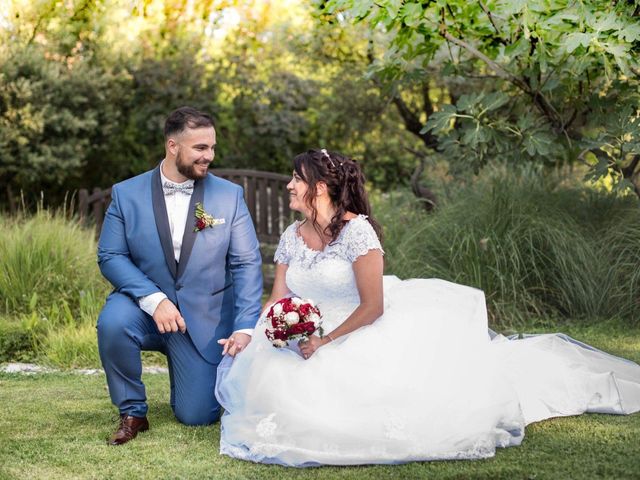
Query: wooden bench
{"x": 264, "y": 192}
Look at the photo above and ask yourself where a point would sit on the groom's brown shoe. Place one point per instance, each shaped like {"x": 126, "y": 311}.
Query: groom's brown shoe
{"x": 128, "y": 429}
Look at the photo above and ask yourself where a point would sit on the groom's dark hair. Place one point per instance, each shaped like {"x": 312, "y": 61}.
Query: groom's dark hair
{"x": 185, "y": 117}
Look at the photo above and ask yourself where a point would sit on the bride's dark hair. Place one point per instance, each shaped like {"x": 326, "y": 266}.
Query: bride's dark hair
{"x": 345, "y": 186}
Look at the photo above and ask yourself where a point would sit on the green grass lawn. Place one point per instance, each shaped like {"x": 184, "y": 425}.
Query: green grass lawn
{"x": 55, "y": 426}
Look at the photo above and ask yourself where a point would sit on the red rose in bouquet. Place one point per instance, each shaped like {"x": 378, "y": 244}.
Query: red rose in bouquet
{"x": 292, "y": 319}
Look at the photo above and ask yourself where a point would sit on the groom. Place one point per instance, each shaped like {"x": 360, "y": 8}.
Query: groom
{"x": 180, "y": 249}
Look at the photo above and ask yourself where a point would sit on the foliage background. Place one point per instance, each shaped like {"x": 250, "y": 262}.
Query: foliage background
{"x": 85, "y": 86}
{"x": 456, "y": 86}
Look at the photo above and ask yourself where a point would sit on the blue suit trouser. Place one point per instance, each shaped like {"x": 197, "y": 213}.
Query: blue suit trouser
{"x": 124, "y": 330}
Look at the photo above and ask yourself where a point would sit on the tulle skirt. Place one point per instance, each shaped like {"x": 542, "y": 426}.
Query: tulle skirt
{"x": 423, "y": 382}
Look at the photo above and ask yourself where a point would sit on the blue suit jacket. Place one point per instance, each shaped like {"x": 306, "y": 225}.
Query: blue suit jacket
{"x": 216, "y": 285}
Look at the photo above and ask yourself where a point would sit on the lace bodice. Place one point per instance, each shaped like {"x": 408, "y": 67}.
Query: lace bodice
{"x": 327, "y": 276}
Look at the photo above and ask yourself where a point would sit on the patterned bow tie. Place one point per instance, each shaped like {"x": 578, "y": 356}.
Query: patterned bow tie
{"x": 173, "y": 188}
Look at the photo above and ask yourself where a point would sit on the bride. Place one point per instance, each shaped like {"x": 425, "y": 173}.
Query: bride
{"x": 406, "y": 370}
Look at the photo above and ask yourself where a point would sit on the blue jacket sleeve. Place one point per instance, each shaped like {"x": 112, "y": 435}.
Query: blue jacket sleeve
{"x": 114, "y": 258}
{"x": 245, "y": 264}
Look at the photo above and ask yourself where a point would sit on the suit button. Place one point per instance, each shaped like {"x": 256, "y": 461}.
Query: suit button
{"x": 178, "y": 286}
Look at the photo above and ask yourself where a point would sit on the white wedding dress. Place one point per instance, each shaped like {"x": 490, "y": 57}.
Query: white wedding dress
{"x": 424, "y": 382}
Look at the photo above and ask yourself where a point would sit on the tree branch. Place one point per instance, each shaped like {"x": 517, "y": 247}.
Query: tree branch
{"x": 36, "y": 29}
{"x": 426, "y": 101}
{"x": 495, "y": 27}
{"x": 629, "y": 170}
{"x": 500, "y": 71}
{"x": 425, "y": 194}
{"x": 538, "y": 98}
{"x": 412, "y": 122}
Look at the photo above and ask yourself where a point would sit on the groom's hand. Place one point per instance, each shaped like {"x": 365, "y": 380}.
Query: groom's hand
{"x": 168, "y": 318}
{"x": 235, "y": 343}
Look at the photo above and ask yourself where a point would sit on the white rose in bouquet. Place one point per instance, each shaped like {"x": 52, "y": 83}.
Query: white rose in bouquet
{"x": 277, "y": 309}
{"x": 314, "y": 317}
{"x": 296, "y": 301}
{"x": 292, "y": 318}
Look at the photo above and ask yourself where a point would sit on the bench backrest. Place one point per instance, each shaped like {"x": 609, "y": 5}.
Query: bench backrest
{"x": 264, "y": 192}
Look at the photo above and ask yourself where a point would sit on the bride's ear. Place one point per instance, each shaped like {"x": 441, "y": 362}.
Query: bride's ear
{"x": 321, "y": 189}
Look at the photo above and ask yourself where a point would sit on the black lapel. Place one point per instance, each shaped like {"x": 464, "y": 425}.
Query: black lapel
{"x": 162, "y": 221}
{"x": 189, "y": 237}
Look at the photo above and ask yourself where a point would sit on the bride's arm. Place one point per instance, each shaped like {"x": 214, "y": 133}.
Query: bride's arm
{"x": 279, "y": 289}
{"x": 368, "y": 270}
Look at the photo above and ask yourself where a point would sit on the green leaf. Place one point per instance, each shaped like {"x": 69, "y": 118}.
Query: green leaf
{"x": 630, "y": 33}
{"x": 413, "y": 14}
{"x": 393, "y": 7}
{"x": 538, "y": 143}
{"x": 495, "y": 100}
{"x": 576, "y": 39}
{"x": 468, "y": 101}
{"x": 606, "y": 22}
{"x": 361, "y": 8}
{"x": 517, "y": 48}
{"x": 615, "y": 49}
{"x": 33, "y": 302}
{"x": 441, "y": 120}
{"x": 512, "y": 7}
{"x": 475, "y": 135}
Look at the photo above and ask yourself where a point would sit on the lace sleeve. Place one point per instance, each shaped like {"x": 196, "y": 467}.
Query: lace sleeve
{"x": 359, "y": 239}
{"x": 285, "y": 246}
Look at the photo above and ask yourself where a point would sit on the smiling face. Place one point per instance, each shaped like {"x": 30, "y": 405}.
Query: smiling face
{"x": 193, "y": 149}
{"x": 297, "y": 188}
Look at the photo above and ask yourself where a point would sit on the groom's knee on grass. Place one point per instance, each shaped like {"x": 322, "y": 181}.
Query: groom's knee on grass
{"x": 193, "y": 418}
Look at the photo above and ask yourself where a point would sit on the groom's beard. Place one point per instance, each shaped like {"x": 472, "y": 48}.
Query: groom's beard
{"x": 188, "y": 170}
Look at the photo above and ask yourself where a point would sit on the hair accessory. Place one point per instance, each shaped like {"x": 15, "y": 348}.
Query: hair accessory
{"x": 326, "y": 154}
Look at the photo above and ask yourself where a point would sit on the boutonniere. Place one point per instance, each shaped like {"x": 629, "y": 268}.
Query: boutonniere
{"x": 204, "y": 220}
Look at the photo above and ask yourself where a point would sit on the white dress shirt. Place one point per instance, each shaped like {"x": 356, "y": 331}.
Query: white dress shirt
{"x": 178, "y": 212}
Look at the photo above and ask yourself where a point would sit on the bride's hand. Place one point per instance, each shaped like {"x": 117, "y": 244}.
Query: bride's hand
{"x": 308, "y": 347}
{"x": 235, "y": 343}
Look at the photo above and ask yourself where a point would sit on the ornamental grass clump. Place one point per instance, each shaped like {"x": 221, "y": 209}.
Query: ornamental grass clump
{"x": 49, "y": 256}
{"x": 538, "y": 247}
{"x": 50, "y": 286}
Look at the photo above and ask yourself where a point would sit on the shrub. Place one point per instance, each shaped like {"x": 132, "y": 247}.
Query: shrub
{"x": 16, "y": 342}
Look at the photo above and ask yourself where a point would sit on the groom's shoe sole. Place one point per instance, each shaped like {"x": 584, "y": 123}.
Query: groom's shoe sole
{"x": 128, "y": 429}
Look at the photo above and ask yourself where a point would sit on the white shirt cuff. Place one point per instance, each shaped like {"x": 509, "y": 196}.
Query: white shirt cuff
{"x": 149, "y": 303}
{"x": 248, "y": 331}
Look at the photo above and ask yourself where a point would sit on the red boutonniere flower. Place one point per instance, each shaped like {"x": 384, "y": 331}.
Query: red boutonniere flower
{"x": 204, "y": 220}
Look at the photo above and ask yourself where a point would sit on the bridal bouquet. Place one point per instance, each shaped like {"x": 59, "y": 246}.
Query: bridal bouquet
{"x": 292, "y": 319}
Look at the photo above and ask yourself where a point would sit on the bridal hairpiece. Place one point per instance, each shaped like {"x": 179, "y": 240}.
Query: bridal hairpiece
{"x": 326, "y": 154}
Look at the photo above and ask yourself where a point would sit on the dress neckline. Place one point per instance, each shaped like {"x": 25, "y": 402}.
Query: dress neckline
{"x": 313, "y": 250}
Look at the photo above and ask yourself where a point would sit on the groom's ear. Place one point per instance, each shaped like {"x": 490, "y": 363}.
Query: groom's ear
{"x": 172, "y": 146}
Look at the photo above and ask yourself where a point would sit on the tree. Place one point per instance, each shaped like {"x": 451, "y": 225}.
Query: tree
{"x": 53, "y": 118}
{"x": 85, "y": 86}
{"x": 552, "y": 81}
